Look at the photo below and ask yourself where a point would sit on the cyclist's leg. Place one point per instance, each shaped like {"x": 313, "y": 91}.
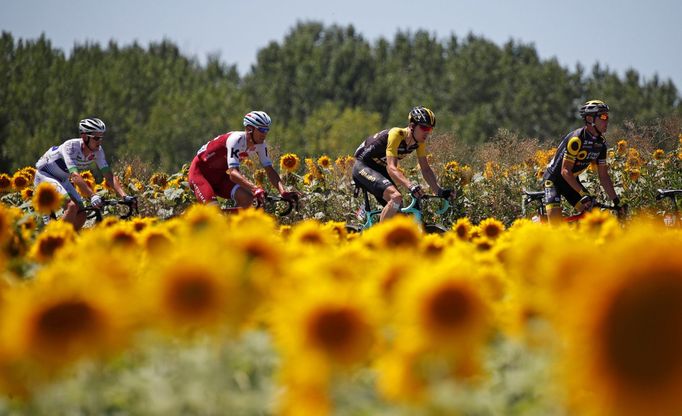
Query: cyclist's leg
{"x": 552, "y": 203}
{"x": 240, "y": 196}
{"x": 377, "y": 183}
{"x": 200, "y": 185}
{"x": 66, "y": 188}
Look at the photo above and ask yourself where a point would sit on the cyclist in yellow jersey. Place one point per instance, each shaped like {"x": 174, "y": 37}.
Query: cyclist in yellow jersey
{"x": 376, "y": 162}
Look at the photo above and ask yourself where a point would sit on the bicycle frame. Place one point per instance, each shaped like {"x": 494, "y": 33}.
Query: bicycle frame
{"x": 96, "y": 213}
{"x": 529, "y": 197}
{"x": 290, "y": 205}
{"x": 413, "y": 208}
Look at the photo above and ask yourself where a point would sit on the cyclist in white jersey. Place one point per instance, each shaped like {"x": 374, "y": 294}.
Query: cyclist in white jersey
{"x": 60, "y": 165}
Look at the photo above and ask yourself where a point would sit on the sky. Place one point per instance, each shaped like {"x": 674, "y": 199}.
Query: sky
{"x": 619, "y": 34}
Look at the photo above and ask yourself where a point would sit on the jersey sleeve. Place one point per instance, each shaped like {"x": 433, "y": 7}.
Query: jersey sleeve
{"x": 101, "y": 161}
{"x": 234, "y": 148}
{"x": 263, "y": 156}
{"x": 69, "y": 151}
{"x": 394, "y": 139}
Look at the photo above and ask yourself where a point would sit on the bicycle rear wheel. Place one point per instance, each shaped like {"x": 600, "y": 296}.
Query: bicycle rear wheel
{"x": 434, "y": 229}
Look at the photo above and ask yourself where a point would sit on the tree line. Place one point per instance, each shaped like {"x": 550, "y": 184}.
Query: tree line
{"x": 326, "y": 88}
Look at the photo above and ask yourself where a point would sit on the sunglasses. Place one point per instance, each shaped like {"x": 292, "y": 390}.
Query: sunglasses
{"x": 427, "y": 129}
{"x": 263, "y": 129}
{"x": 604, "y": 116}
{"x": 98, "y": 138}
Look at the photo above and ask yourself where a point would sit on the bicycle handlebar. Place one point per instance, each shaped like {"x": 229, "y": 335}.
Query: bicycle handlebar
{"x": 291, "y": 204}
{"x": 415, "y": 203}
{"x": 94, "y": 212}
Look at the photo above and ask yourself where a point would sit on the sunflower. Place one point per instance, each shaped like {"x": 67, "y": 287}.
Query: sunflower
{"x": 189, "y": 291}
{"x": 624, "y": 333}
{"x": 324, "y": 162}
{"x": 633, "y": 174}
{"x": 29, "y": 172}
{"x": 6, "y": 222}
{"x": 55, "y": 236}
{"x": 621, "y": 147}
{"x": 462, "y": 229}
{"x": 400, "y": 232}
{"x": 491, "y": 228}
{"x": 289, "y": 163}
{"x": 20, "y": 181}
{"x": 658, "y": 154}
{"x": 27, "y": 194}
{"x": 58, "y": 320}
{"x": 311, "y": 233}
{"x": 156, "y": 240}
{"x": 46, "y": 199}
{"x": 159, "y": 179}
{"x": 5, "y": 182}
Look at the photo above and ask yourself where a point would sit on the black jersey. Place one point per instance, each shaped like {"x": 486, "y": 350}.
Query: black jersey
{"x": 580, "y": 147}
{"x": 390, "y": 142}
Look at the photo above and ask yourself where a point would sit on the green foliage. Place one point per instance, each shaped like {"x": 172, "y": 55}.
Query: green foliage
{"x": 326, "y": 88}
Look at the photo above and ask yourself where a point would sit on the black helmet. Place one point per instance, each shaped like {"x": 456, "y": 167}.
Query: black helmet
{"x": 422, "y": 116}
{"x": 593, "y": 108}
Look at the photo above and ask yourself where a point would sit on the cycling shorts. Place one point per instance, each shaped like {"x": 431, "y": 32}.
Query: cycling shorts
{"x": 64, "y": 187}
{"x": 208, "y": 183}
{"x": 375, "y": 181}
{"x": 555, "y": 188}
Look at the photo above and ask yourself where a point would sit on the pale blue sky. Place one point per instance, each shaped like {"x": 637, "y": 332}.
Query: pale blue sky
{"x": 619, "y": 34}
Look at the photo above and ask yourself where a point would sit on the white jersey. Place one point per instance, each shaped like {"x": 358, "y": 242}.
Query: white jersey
{"x": 60, "y": 161}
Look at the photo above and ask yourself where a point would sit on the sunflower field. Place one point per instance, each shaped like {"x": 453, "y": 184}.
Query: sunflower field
{"x": 186, "y": 310}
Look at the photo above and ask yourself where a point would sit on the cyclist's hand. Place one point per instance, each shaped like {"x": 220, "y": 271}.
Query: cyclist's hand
{"x": 128, "y": 199}
{"x": 586, "y": 202}
{"x": 622, "y": 210}
{"x": 416, "y": 191}
{"x": 447, "y": 194}
{"x": 259, "y": 195}
{"x": 96, "y": 201}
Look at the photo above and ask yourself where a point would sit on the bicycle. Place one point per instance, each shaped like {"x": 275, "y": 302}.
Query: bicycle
{"x": 670, "y": 219}
{"x": 529, "y": 197}
{"x": 97, "y": 212}
{"x": 275, "y": 204}
{"x": 370, "y": 216}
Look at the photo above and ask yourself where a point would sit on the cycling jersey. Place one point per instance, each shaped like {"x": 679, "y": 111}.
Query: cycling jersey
{"x": 61, "y": 161}
{"x": 391, "y": 142}
{"x": 579, "y": 147}
{"x": 229, "y": 149}
{"x": 207, "y": 174}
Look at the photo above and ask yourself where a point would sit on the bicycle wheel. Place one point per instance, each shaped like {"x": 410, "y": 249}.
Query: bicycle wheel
{"x": 352, "y": 228}
{"x": 434, "y": 229}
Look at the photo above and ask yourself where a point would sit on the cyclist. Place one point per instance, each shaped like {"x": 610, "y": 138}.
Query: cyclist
{"x": 376, "y": 162}
{"x": 577, "y": 150}
{"x": 60, "y": 166}
{"x": 215, "y": 168}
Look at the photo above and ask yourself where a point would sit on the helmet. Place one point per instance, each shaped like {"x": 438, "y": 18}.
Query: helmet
{"x": 257, "y": 119}
{"x": 593, "y": 108}
{"x": 91, "y": 126}
{"x": 422, "y": 116}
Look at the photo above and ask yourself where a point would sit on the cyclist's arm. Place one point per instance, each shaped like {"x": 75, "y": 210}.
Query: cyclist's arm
{"x": 237, "y": 177}
{"x": 113, "y": 181}
{"x": 567, "y": 174}
{"x": 395, "y": 173}
{"x": 80, "y": 183}
{"x": 428, "y": 174}
{"x": 275, "y": 180}
{"x": 605, "y": 180}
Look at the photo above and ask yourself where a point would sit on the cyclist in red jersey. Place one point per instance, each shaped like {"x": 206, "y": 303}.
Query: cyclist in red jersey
{"x": 215, "y": 169}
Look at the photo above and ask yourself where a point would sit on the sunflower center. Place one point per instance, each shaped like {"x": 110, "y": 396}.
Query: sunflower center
{"x": 402, "y": 237}
{"x": 448, "y": 308}
{"x": 49, "y": 244}
{"x": 192, "y": 295}
{"x": 66, "y": 321}
{"x": 642, "y": 333}
{"x": 334, "y": 330}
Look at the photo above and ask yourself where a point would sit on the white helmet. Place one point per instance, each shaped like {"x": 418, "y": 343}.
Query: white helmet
{"x": 257, "y": 119}
{"x": 92, "y": 126}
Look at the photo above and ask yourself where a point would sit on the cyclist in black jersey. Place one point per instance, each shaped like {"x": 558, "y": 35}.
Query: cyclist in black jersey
{"x": 577, "y": 150}
{"x": 376, "y": 161}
